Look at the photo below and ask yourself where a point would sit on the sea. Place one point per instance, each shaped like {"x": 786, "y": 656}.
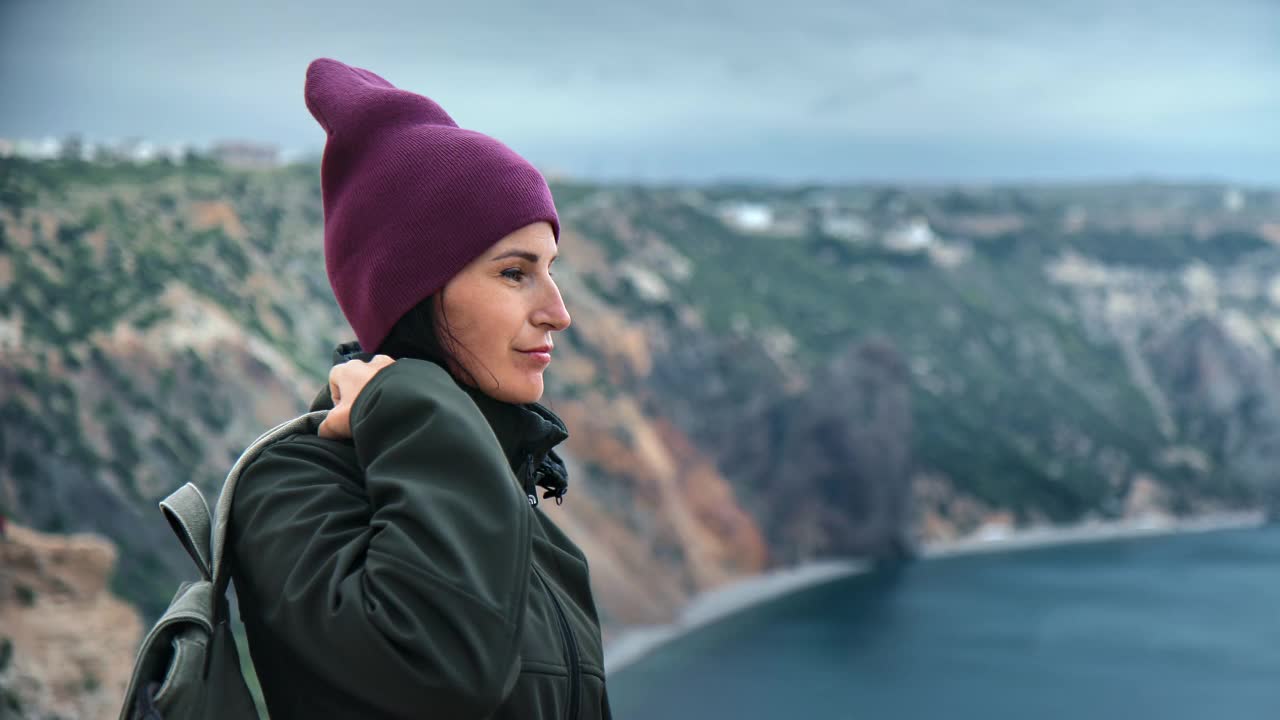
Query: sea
{"x": 1171, "y": 627}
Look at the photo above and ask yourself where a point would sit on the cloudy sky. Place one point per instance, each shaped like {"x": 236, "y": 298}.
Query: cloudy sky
{"x": 935, "y": 90}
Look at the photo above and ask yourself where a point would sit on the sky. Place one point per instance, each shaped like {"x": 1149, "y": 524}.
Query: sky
{"x": 660, "y": 90}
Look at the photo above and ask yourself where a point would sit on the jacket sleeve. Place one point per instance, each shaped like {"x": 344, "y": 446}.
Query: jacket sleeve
{"x": 413, "y": 597}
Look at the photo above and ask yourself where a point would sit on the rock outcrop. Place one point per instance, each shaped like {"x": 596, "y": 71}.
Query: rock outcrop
{"x": 66, "y": 643}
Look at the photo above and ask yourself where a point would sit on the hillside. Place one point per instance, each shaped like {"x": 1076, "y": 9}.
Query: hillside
{"x": 755, "y": 376}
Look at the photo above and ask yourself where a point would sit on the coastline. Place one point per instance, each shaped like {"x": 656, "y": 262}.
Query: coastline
{"x": 999, "y": 539}
{"x": 633, "y": 643}
{"x": 637, "y": 641}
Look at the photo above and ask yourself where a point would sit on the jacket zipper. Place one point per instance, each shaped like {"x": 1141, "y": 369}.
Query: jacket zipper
{"x": 571, "y": 645}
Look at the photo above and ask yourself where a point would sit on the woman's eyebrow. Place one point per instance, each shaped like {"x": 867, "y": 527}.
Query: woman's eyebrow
{"x": 522, "y": 254}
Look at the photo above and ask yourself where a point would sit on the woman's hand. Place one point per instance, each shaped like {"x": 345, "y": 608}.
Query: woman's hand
{"x": 345, "y": 383}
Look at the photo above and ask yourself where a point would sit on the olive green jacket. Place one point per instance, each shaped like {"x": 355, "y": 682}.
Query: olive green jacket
{"x": 407, "y": 573}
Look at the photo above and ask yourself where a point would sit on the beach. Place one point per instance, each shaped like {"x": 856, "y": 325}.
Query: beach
{"x": 636, "y": 642}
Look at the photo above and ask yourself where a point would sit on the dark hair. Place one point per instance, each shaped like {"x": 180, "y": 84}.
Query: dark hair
{"x": 416, "y": 335}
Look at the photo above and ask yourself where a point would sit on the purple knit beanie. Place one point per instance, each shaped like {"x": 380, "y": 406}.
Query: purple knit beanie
{"x": 409, "y": 197}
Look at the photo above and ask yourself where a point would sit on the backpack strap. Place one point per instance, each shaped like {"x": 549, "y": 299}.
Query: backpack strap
{"x": 308, "y": 424}
{"x": 188, "y": 515}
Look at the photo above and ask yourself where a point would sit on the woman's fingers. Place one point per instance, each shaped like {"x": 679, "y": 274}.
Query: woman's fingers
{"x": 335, "y": 391}
{"x": 346, "y": 380}
{"x": 336, "y": 425}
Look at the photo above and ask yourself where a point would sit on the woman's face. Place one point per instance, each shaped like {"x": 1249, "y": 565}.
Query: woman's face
{"x": 502, "y": 309}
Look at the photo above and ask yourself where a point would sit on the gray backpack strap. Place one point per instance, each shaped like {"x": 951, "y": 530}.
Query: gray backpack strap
{"x": 305, "y": 424}
{"x": 188, "y": 515}
{"x": 188, "y": 665}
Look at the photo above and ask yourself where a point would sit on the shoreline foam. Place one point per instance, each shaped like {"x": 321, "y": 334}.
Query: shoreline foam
{"x": 635, "y": 642}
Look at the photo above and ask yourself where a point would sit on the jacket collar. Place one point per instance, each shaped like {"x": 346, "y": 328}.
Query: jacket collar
{"x": 527, "y": 433}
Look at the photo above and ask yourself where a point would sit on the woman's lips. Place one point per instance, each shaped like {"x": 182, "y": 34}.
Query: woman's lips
{"x": 539, "y": 355}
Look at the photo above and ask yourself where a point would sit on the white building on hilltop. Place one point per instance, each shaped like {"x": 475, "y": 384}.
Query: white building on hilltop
{"x": 749, "y": 216}
{"x": 915, "y": 236}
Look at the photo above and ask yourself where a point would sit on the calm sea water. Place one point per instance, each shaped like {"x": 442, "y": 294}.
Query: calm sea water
{"x": 1172, "y": 627}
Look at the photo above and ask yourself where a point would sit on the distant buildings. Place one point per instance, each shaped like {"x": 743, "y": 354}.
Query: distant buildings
{"x": 233, "y": 153}
{"x": 824, "y": 215}
{"x": 756, "y": 217}
{"x": 749, "y": 216}
{"x": 244, "y": 154}
{"x": 913, "y": 236}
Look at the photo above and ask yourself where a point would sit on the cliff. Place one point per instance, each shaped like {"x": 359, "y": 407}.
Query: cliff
{"x": 66, "y": 642}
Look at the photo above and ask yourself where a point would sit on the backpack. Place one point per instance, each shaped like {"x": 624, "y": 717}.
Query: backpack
{"x": 188, "y": 667}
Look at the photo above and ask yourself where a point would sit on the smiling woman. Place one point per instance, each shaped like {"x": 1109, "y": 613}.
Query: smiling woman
{"x": 397, "y": 562}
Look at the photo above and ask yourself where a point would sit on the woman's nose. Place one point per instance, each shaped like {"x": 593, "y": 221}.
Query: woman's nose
{"x": 551, "y": 311}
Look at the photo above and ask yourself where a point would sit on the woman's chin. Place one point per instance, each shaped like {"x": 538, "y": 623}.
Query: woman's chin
{"x": 519, "y": 389}
{"x": 532, "y": 389}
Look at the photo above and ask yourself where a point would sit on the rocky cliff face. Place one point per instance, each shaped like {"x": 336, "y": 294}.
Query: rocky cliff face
{"x": 824, "y": 468}
{"x": 1225, "y": 397}
{"x": 66, "y": 643}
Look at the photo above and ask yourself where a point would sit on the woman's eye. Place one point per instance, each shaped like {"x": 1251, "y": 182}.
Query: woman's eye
{"x": 513, "y": 273}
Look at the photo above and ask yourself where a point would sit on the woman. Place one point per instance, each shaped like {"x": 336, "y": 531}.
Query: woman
{"x": 397, "y": 565}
